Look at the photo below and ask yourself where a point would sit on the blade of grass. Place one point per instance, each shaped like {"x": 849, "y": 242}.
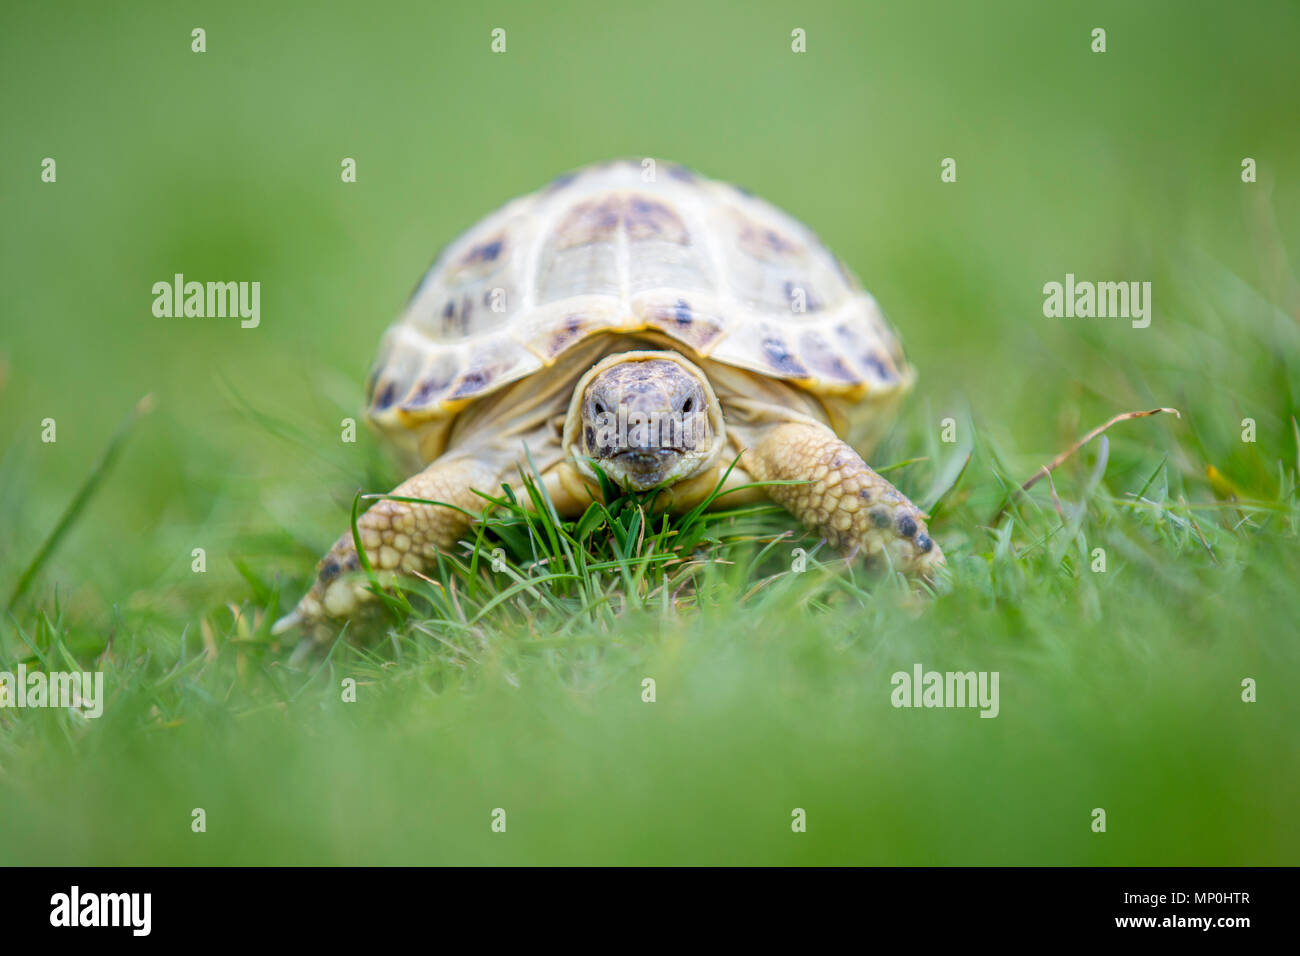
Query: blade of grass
{"x": 80, "y": 499}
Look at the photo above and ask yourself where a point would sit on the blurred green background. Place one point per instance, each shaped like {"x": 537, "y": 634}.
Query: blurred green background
{"x": 225, "y": 166}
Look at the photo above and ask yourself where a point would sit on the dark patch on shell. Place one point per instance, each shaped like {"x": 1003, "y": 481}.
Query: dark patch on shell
{"x": 456, "y": 320}
{"x": 641, "y": 217}
{"x": 487, "y": 252}
{"x": 682, "y": 312}
{"x": 777, "y": 243}
{"x": 838, "y": 369}
{"x": 811, "y": 301}
{"x": 923, "y": 543}
{"x": 880, "y": 517}
{"x": 565, "y": 335}
{"x": 906, "y": 525}
{"x": 762, "y": 242}
{"x": 427, "y": 388}
{"x": 474, "y": 381}
{"x": 682, "y": 322}
{"x": 883, "y": 371}
{"x": 825, "y": 360}
{"x": 590, "y": 222}
{"x": 651, "y": 219}
{"x": 782, "y": 360}
{"x": 679, "y": 172}
{"x": 329, "y": 571}
{"x": 385, "y": 398}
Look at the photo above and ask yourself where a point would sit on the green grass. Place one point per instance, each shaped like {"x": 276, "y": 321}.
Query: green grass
{"x": 520, "y": 687}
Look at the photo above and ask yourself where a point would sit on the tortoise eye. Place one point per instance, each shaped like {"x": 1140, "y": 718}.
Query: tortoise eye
{"x": 690, "y": 403}
{"x": 600, "y": 409}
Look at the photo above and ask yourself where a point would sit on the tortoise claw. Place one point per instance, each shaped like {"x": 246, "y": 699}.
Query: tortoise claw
{"x": 306, "y": 614}
{"x": 288, "y": 622}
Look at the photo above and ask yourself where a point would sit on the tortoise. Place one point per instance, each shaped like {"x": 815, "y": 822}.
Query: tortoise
{"x": 643, "y": 319}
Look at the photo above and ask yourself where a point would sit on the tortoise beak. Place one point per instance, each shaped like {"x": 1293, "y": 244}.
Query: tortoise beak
{"x": 640, "y": 469}
{"x": 646, "y": 459}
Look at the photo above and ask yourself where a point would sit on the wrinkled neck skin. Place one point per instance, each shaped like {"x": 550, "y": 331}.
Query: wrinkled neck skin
{"x": 647, "y": 419}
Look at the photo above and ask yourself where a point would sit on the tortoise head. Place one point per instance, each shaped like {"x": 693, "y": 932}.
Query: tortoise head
{"x": 645, "y": 419}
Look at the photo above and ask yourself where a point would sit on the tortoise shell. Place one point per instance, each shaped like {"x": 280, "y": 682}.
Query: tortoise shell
{"x": 631, "y": 247}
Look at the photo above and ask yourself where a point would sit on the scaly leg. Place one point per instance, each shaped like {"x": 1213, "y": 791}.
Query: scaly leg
{"x": 855, "y": 508}
{"x": 397, "y": 536}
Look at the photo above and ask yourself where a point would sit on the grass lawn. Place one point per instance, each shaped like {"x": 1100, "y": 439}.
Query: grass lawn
{"x": 1122, "y": 601}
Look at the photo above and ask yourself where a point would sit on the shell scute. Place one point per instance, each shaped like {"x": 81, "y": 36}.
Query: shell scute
{"x": 824, "y": 360}
{"x": 782, "y": 360}
{"x": 694, "y": 320}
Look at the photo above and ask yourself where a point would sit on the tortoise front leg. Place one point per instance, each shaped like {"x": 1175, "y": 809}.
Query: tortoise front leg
{"x": 397, "y": 536}
{"x": 855, "y": 508}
